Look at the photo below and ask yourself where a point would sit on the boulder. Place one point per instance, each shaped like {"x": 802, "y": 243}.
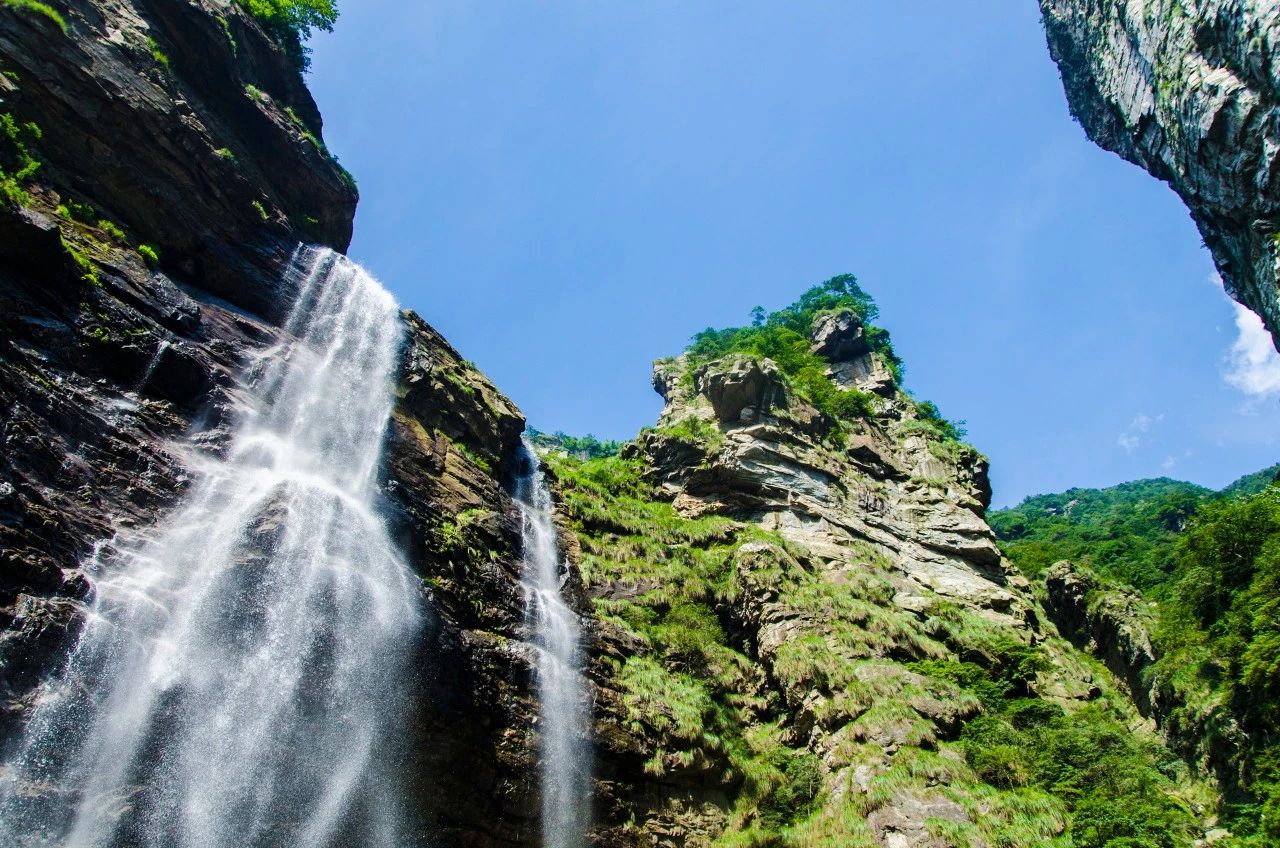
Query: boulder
{"x": 741, "y": 388}
{"x": 839, "y": 336}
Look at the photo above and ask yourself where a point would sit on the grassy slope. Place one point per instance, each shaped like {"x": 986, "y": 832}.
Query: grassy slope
{"x": 1029, "y": 773}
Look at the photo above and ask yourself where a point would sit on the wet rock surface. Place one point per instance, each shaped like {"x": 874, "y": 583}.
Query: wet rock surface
{"x": 142, "y": 265}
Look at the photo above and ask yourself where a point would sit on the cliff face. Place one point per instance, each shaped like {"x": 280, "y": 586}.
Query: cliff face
{"x": 791, "y": 620}
{"x": 1187, "y": 89}
{"x": 1116, "y": 624}
{"x": 160, "y": 161}
{"x": 795, "y": 623}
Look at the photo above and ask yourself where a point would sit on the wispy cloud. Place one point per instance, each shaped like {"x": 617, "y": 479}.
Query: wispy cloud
{"x": 1253, "y": 366}
{"x": 1135, "y": 434}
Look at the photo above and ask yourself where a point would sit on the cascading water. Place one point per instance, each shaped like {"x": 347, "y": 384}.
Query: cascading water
{"x": 236, "y": 682}
{"x": 564, "y": 708}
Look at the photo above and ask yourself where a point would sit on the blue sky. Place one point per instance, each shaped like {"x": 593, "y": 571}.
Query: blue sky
{"x": 568, "y": 190}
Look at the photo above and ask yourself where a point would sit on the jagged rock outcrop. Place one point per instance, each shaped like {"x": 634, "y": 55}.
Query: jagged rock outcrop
{"x": 1114, "y": 626}
{"x": 810, "y": 578}
{"x": 1190, "y": 91}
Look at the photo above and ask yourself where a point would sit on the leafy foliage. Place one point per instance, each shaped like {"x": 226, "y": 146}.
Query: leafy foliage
{"x": 292, "y": 22}
{"x": 18, "y": 164}
{"x": 1218, "y": 641}
{"x": 1125, "y": 533}
{"x": 580, "y": 447}
{"x": 1212, "y": 560}
{"x": 783, "y": 337}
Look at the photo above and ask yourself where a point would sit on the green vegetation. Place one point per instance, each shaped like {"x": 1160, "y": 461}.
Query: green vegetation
{"x": 784, "y": 338}
{"x": 306, "y": 132}
{"x": 1124, "y": 533}
{"x": 261, "y": 210}
{"x": 159, "y": 55}
{"x": 88, "y": 270}
{"x": 38, "y": 8}
{"x": 112, "y": 231}
{"x": 225, "y": 153}
{"x": 579, "y": 447}
{"x": 149, "y": 254}
{"x": 255, "y": 93}
{"x": 474, "y": 458}
{"x": 1218, "y": 640}
{"x": 1026, "y": 773}
{"x": 74, "y": 211}
{"x": 18, "y": 163}
{"x": 1211, "y": 562}
{"x": 291, "y": 22}
{"x": 226, "y": 30}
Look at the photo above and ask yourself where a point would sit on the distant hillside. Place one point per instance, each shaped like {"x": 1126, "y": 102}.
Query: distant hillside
{"x": 1125, "y": 533}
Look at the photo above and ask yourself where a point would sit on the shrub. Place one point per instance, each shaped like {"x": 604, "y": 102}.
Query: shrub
{"x": 580, "y": 447}
{"x": 17, "y": 162}
{"x": 149, "y": 254}
{"x": 292, "y": 21}
{"x": 159, "y": 55}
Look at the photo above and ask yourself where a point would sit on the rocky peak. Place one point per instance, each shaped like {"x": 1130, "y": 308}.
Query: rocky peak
{"x": 839, "y": 336}
{"x": 805, "y": 574}
{"x": 1190, "y": 91}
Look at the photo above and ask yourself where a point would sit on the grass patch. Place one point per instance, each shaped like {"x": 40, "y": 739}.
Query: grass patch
{"x": 44, "y": 10}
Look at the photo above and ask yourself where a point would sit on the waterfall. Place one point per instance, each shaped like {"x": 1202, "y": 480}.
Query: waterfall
{"x": 564, "y": 708}
{"x": 236, "y": 683}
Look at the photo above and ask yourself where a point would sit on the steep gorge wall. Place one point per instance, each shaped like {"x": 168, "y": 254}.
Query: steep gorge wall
{"x": 1190, "y": 91}
{"x": 160, "y": 161}
{"x": 807, "y": 581}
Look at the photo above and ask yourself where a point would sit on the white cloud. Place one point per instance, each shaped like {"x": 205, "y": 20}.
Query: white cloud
{"x": 1253, "y": 366}
{"x": 1137, "y": 430}
{"x": 1169, "y": 463}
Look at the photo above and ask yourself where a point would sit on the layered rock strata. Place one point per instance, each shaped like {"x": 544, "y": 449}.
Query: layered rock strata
{"x": 1188, "y": 90}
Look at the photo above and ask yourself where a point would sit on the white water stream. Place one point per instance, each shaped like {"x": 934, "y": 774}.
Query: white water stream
{"x": 237, "y": 682}
{"x": 564, "y": 705}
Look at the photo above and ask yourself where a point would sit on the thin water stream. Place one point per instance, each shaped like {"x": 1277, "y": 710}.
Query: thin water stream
{"x": 563, "y": 698}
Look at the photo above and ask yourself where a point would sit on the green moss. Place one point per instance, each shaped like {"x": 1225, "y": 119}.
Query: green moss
{"x": 261, "y": 210}
{"x": 88, "y": 269}
{"x": 149, "y": 254}
{"x": 225, "y": 154}
{"x": 226, "y": 30}
{"x": 159, "y": 55}
{"x": 42, "y": 9}
{"x": 255, "y": 93}
{"x": 112, "y": 231}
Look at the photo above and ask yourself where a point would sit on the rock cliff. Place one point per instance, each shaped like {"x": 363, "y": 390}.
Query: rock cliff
{"x": 801, "y": 630}
{"x": 793, "y": 614}
{"x": 1187, "y": 89}
{"x": 160, "y": 161}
